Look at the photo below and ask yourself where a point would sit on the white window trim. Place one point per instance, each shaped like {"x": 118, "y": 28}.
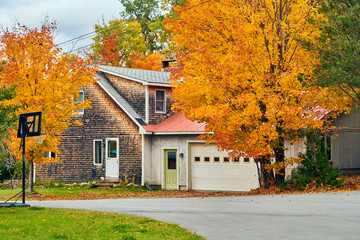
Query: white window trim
{"x": 94, "y": 152}
{"x": 48, "y": 154}
{"x": 117, "y": 147}
{"x": 81, "y": 111}
{"x": 164, "y": 101}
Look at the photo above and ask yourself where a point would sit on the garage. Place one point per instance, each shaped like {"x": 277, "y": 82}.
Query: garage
{"x": 213, "y": 170}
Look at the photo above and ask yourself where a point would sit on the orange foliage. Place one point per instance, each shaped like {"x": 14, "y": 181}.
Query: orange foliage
{"x": 46, "y": 80}
{"x": 109, "y": 52}
{"x": 150, "y": 61}
{"x": 246, "y": 74}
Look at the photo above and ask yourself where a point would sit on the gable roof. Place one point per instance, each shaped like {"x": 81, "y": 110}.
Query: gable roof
{"x": 146, "y": 77}
{"x": 176, "y": 124}
{"x": 123, "y": 104}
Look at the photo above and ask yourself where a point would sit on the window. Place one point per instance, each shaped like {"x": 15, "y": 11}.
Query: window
{"x": 226, "y": 159}
{"x": 80, "y": 100}
{"x": 112, "y": 149}
{"x": 171, "y": 157}
{"x": 246, "y": 160}
{"x": 97, "y": 152}
{"x": 197, "y": 159}
{"x": 216, "y": 159}
{"x": 51, "y": 154}
{"x": 236, "y": 160}
{"x": 160, "y": 101}
{"x": 206, "y": 159}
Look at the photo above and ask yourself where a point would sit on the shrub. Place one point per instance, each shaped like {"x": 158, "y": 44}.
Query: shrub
{"x": 50, "y": 183}
{"x": 315, "y": 168}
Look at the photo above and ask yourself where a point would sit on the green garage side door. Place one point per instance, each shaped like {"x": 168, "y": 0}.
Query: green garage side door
{"x": 170, "y": 169}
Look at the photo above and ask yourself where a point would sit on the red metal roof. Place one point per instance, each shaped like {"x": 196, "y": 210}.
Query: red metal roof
{"x": 176, "y": 123}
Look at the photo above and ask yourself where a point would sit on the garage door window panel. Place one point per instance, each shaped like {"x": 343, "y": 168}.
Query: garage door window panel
{"x": 216, "y": 159}
{"x": 206, "y": 159}
{"x": 226, "y": 159}
{"x": 246, "y": 160}
{"x": 197, "y": 159}
{"x": 236, "y": 160}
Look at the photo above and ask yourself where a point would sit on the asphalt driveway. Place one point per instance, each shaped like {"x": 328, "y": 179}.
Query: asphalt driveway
{"x": 305, "y": 216}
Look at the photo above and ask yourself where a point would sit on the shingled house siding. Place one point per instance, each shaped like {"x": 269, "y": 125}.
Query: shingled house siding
{"x": 132, "y": 92}
{"x": 104, "y": 120}
{"x": 155, "y": 118}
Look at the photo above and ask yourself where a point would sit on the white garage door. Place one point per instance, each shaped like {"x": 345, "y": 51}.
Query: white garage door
{"x": 215, "y": 171}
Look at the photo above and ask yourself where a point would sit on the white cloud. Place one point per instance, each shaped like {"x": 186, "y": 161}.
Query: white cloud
{"x": 74, "y": 17}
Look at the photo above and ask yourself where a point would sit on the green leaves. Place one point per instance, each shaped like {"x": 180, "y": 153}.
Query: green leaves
{"x": 339, "y": 47}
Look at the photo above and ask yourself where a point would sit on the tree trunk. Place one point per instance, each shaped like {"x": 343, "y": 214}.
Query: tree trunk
{"x": 31, "y": 177}
{"x": 280, "y": 157}
{"x": 11, "y": 179}
{"x": 264, "y": 176}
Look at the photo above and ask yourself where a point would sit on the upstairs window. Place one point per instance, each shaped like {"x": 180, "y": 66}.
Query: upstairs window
{"x": 160, "y": 101}
{"x": 80, "y": 100}
{"x": 51, "y": 154}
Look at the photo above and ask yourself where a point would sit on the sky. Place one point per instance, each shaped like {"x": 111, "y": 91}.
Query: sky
{"x": 74, "y": 17}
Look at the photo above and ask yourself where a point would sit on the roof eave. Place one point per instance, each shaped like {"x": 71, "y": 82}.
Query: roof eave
{"x": 123, "y": 76}
{"x": 175, "y": 133}
{"x": 141, "y": 128}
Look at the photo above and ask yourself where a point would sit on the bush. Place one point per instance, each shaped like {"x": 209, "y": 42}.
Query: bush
{"x": 315, "y": 168}
{"x": 50, "y": 184}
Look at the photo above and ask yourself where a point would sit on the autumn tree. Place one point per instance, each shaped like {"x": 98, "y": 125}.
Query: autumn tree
{"x": 46, "y": 81}
{"x": 148, "y": 62}
{"x": 245, "y": 74}
{"x": 116, "y": 41}
{"x": 138, "y": 36}
{"x": 151, "y": 19}
{"x": 339, "y": 47}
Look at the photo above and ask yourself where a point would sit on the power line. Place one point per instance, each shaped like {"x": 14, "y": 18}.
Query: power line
{"x": 90, "y": 34}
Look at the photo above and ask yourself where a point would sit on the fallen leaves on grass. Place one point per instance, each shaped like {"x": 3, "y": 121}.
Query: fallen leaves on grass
{"x": 352, "y": 183}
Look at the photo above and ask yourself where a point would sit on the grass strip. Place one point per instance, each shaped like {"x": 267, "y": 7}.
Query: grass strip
{"x": 43, "y": 223}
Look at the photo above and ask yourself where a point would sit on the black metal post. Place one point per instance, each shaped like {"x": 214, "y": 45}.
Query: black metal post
{"x": 23, "y": 163}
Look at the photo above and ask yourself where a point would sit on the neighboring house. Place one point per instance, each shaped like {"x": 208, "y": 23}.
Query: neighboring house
{"x": 345, "y": 149}
{"x": 131, "y": 132}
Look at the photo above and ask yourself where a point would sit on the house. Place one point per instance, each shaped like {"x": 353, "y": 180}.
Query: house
{"x": 109, "y": 143}
{"x": 345, "y": 150}
{"x": 131, "y": 133}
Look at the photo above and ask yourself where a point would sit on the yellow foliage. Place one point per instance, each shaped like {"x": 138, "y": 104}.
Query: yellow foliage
{"x": 246, "y": 74}
{"x": 46, "y": 80}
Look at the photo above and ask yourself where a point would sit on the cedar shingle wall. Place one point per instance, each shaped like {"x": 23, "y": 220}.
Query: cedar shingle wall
{"x": 155, "y": 118}
{"x": 132, "y": 92}
{"x": 104, "y": 120}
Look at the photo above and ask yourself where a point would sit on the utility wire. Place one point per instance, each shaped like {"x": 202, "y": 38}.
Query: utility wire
{"x": 91, "y": 34}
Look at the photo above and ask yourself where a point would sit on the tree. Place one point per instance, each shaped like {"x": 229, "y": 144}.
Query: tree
{"x": 8, "y": 119}
{"x": 148, "y": 14}
{"x": 117, "y": 41}
{"x": 245, "y": 74}
{"x": 46, "y": 81}
{"x": 149, "y": 62}
{"x": 339, "y": 47}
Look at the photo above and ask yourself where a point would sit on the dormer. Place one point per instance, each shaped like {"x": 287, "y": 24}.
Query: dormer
{"x": 147, "y": 92}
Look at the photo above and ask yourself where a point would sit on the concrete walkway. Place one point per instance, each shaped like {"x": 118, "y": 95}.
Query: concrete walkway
{"x": 305, "y": 216}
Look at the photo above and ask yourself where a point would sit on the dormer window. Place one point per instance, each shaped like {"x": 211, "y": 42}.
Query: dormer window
{"x": 160, "y": 106}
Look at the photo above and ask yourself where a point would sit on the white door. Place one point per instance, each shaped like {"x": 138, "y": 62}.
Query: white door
{"x": 112, "y": 158}
{"x": 216, "y": 171}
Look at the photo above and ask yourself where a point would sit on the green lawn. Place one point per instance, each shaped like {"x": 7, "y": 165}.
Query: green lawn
{"x": 83, "y": 192}
{"x": 42, "y": 223}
